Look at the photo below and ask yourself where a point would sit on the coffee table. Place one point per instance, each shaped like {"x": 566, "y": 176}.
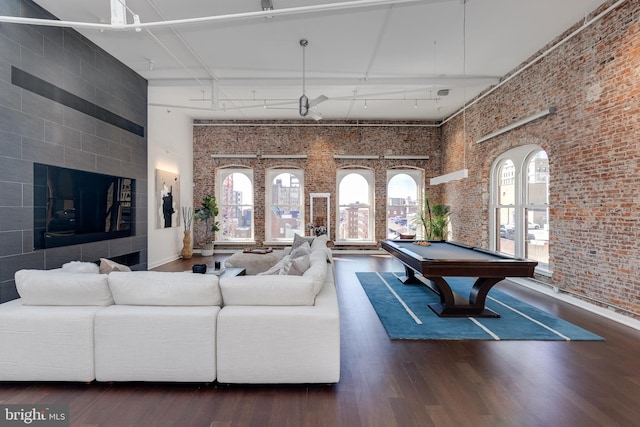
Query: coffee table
{"x": 228, "y": 272}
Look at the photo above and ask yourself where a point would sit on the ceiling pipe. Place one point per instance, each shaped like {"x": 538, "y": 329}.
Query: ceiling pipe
{"x": 354, "y": 4}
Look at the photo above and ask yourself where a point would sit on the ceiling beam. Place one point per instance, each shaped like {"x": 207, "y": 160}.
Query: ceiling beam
{"x": 445, "y": 81}
{"x": 138, "y": 26}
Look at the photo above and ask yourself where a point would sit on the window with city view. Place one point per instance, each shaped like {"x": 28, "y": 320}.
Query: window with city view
{"x": 285, "y": 204}
{"x": 404, "y": 190}
{"x": 520, "y": 204}
{"x": 355, "y": 206}
{"x": 235, "y": 202}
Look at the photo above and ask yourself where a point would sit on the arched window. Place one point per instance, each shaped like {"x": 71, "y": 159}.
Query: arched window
{"x": 404, "y": 194}
{"x": 235, "y": 202}
{"x": 285, "y": 204}
{"x": 355, "y": 206}
{"x": 520, "y": 204}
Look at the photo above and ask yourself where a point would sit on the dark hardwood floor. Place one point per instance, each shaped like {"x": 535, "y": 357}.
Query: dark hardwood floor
{"x": 393, "y": 383}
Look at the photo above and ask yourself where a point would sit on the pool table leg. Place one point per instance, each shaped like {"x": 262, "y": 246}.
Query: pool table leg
{"x": 453, "y": 305}
{"x": 409, "y": 277}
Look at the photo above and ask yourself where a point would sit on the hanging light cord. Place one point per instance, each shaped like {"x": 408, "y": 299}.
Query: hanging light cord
{"x": 303, "y": 43}
{"x": 464, "y": 87}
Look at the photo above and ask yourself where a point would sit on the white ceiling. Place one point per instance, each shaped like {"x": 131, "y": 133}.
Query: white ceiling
{"x": 391, "y": 57}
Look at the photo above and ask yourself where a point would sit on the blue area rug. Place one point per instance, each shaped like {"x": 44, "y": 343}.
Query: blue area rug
{"x": 404, "y": 312}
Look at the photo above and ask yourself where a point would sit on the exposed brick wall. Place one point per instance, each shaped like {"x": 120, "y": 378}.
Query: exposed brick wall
{"x": 593, "y": 144}
{"x": 320, "y": 143}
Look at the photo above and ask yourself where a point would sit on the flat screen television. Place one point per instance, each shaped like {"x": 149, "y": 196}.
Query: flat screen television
{"x": 73, "y": 206}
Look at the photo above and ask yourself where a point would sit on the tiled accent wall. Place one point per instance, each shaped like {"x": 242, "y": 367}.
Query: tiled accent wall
{"x": 320, "y": 142}
{"x": 593, "y": 144}
{"x": 105, "y": 132}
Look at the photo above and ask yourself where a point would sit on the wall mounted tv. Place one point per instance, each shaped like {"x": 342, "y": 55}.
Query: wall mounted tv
{"x": 73, "y": 206}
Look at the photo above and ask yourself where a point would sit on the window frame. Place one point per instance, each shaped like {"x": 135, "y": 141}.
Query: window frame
{"x": 369, "y": 176}
{"x": 270, "y": 175}
{"x": 520, "y": 157}
{"x": 221, "y": 175}
{"x": 418, "y": 176}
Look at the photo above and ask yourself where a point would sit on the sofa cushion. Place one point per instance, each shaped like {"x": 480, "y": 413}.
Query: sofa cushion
{"x": 268, "y": 290}
{"x": 46, "y": 343}
{"x": 156, "y": 343}
{"x": 107, "y": 266}
{"x": 42, "y": 287}
{"x": 164, "y": 288}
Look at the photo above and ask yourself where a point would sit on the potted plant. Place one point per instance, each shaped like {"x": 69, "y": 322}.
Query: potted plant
{"x": 207, "y": 213}
{"x": 434, "y": 219}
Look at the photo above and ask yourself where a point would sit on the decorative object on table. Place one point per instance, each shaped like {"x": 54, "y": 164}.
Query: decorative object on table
{"x": 216, "y": 265}
{"x": 167, "y": 198}
{"x": 207, "y": 213}
{"x": 199, "y": 268}
{"x": 434, "y": 219}
{"x": 187, "y": 250}
{"x": 318, "y": 231}
{"x": 217, "y": 271}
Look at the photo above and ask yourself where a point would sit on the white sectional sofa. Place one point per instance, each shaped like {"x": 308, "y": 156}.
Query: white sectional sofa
{"x": 183, "y": 327}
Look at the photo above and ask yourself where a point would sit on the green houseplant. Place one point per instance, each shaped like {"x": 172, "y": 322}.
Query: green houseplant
{"x": 207, "y": 213}
{"x": 434, "y": 219}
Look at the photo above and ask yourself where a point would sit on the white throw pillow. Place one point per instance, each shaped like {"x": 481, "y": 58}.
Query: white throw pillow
{"x": 281, "y": 267}
{"x": 42, "y": 287}
{"x": 299, "y": 240}
{"x": 299, "y": 266}
{"x": 107, "y": 266}
{"x": 301, "y": 250}
{"x": 80, "y": 267}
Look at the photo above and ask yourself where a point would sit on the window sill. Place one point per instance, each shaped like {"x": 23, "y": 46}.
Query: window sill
{"x": 543, "y": 272}
{"x": 358, "y": 243}
{"x": 234, "y": 243}
{"x": 278, "y": 243}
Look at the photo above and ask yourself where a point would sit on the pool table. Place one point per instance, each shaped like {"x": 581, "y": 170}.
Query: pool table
{"x": 442, "y": 258}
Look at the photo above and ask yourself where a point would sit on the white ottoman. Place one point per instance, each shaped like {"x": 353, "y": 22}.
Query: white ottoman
{"x": 254, "y": 263}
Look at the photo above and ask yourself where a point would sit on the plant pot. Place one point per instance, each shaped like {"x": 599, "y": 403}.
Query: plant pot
{"x": 207, "y": 249}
